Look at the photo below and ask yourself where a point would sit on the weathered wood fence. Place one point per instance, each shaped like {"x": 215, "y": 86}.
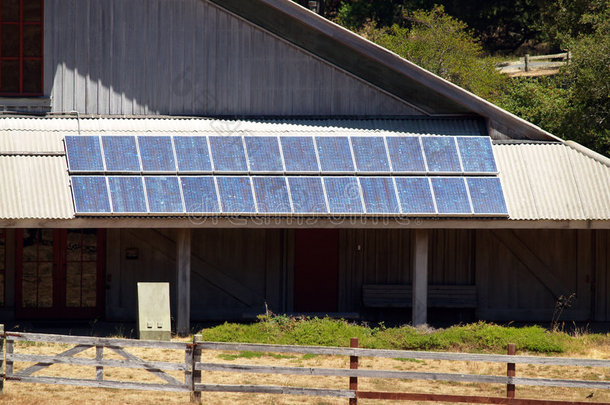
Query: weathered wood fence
{"x": 530, "y": 63}
{"x": 192, "y": 367}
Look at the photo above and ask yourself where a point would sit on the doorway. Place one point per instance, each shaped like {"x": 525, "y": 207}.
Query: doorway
{"x": 316, "y": 270}
{"x": 60, "y": 273}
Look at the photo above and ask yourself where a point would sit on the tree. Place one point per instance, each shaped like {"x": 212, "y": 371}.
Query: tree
{"x": 443, "y": 45}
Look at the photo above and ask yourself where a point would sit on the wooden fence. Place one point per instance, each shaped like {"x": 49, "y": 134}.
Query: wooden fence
{"x": 539, "y": 63}
{"x": 192, "y": 367}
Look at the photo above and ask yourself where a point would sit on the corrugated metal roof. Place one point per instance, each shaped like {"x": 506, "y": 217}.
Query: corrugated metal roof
{"x": 541, "y": 181}
{"x": 553, "y": 181}
{"x": 35, "y": 187}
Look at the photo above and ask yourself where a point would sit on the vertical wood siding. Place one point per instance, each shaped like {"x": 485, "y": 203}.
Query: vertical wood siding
{"x": 188, "y": 57}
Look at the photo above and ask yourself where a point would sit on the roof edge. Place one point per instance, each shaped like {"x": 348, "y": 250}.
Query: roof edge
{"x": 588, "y": 152}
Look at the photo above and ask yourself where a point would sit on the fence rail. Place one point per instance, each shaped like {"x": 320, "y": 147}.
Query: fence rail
{"x": 192, "y": 369}
{"x": 538, "y": 63}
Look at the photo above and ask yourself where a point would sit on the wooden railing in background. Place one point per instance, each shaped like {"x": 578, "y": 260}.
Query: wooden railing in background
{"x": 532, "y": 65}
{"x": 192, "y": 367}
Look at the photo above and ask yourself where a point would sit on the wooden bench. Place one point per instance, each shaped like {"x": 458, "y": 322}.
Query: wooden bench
{"x": 401, "y": 296}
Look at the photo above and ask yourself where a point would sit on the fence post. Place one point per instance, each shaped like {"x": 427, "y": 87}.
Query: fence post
{"x": 2, "y": 337}
{"x": 99, "y": 356}
{"x": 353, "y": 365}
{"x": 188, "y": 370}
{"x": 527, "y": 62}
{"x": 510, "y": 372}
{"x": 196, "y": 374}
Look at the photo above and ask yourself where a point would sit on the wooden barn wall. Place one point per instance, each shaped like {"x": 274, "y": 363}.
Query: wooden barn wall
{"x": 234, "y": 272}
{"x": 189, "y": 57}
{"x": 522, "y": 273}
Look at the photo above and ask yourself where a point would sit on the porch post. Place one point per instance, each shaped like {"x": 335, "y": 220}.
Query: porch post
{"x": 183, "y": 276}
{"x": 420, "y": 277}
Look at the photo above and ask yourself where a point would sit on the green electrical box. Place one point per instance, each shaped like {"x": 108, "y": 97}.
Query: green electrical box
{"x": 153, "y": 311}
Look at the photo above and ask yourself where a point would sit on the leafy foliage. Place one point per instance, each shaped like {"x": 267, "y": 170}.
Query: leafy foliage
{"x": 476, "y": 337}
{"x": 444, "y": 46}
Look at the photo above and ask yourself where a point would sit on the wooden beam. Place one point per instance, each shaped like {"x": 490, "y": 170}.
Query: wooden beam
{"x": 420, "y": 277}
{"x": 183, "y": 276}
{"x": 532, "y": 263}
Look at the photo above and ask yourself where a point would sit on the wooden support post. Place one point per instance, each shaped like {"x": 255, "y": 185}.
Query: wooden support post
{"x": 1, "y": 359}
{"x": 9, "y": 363}
{"x": 196, "y": 374}
{"x": 188, "y": 371}
{"x": 420, "y": 277}
{"x": 183, "y": 275}
{"x": 527, "y": 62}
{"x": 353, "y": 365}
{"x": 99, "y": 356}
{"x": 510, "y": 372}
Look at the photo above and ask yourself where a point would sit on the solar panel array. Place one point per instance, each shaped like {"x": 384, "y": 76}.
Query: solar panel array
{"x": 315, "y": 175}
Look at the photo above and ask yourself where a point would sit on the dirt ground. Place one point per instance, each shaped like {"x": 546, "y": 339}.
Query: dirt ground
{"x": 27, "y": 393}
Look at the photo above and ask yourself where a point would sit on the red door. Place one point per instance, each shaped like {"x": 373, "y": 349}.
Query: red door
{"x": 59, "y": 273}
{"x": 316, "y": 270}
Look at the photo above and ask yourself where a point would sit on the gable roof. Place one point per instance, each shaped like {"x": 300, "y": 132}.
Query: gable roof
{"x": 377, "y": 65}
{"x": 550, "y": 181}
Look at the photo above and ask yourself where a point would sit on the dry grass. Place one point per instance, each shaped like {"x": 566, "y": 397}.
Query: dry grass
{"x": 23, "y": 393}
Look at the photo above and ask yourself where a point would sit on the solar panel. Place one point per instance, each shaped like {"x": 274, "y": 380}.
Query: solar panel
{"x": 84, "y": 154}
{"x": 415, "y": 195}
{"x": 487, "y": 196}
{"x": 264, "y": 154}
{"x": 192, "y": 154}
{"x": 200, "y": 194}
{"x": 228, "y": 154}
{"x": 127, "y": 194}
{"x": 406, "y": 154}
{"x": 370, "y": 154}
{"x": 477, "y": 154}
{"x": 271, "y": 194}
{"x": 163, "y": 194}
{"x": 335, "y": 154}
{"x": 307, "y": 195}
{"x": 343, "y": 195}
{"x": 157, "y": 153}
{"x": 121, "y": 154}
{"x": 441, "y": 154}
{"x": 236, "y": 194}
{"x": 451, "y": 195}
{"x": 379, "y": 195}
{"x": 299, "y": 154}
{"x": 90, "y": 194}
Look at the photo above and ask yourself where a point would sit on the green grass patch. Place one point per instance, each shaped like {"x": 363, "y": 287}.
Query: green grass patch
{"x": 478, "y": 337}
{"x": 254, "y": 355}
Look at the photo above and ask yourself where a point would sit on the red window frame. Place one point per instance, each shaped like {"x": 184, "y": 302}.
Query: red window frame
{"x": 21, "y": 58}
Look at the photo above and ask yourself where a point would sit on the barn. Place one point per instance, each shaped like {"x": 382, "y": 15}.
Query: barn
{"x": 256, "y": 155}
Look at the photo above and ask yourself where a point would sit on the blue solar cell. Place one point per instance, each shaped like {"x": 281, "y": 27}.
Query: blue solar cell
{"x": 441, "y": 154}
{"x": 236, "y": 195}
{"x": 264, "y": 154}
{"x": 451, "y": 196}
{"x": 84, "y": 154}
{"x": 477, "y": 154}
{"x": 335, "y": 154}
{"x": 299, "y": 154}
{"x": 271, "y": 194}
{"x": 90, "y": 194}
{"x": 406, "y": 154}
{"x": 379, "y": 195}
{"x": 487, "y": 196}
{"x": 343, "y": 195}
{"x": 121, "y": 154}
{"x": 307, "y": 195}
{"x": 192, "y": 154}
{"x": 157, "y": 153}
{"x": 200, "y": 194}
{"x": 228, "y": 154}
{"x": 415, "y": 195}
{"x": 127, "y": 194}
{"x": 370, "y": 154}
{"x": 163, "y": 194}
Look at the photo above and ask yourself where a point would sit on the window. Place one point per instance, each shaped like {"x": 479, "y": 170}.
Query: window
{"x": 21, "y": 37}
